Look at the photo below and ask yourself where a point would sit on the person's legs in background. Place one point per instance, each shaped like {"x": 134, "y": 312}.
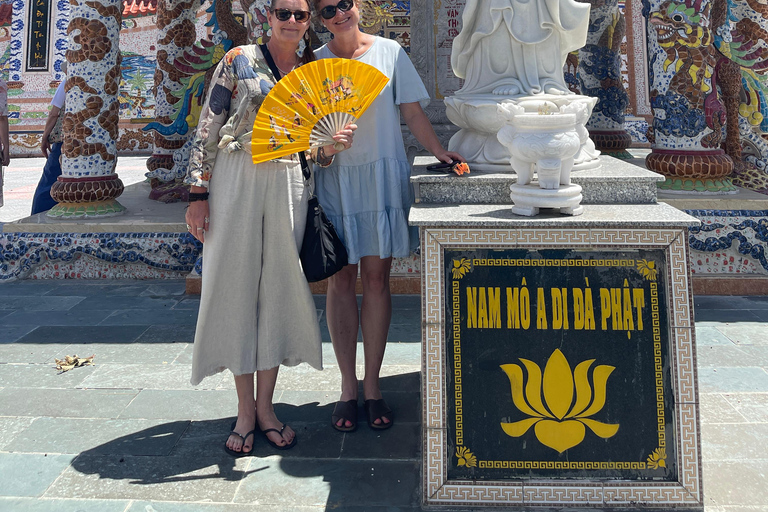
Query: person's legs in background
{"x": 42, "y": 200}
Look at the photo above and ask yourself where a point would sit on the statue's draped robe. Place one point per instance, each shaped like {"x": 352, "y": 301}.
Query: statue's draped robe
{"x": 517, "y": 46}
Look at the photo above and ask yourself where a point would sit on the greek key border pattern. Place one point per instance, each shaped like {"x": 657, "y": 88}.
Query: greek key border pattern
{"x": 438, "y": 491}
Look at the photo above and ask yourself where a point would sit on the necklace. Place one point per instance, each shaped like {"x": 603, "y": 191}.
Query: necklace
{"x": 281, "y": 70}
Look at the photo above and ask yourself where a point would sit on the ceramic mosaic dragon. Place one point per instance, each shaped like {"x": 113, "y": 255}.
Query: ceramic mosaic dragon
{"x": 742, "y": 41}
{"x": 683, "y": 32}
{"x": 92, "y": 43}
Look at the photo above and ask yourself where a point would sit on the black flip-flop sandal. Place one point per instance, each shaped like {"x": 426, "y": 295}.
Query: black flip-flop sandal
{"x": 346, "y": 411}
{"x": 280, "y": 433}
{"x": 241, "y": 453}
{"x": 378, "y": 409}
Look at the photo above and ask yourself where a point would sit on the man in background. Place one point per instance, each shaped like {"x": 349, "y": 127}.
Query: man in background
{"x": 51, "y": 148}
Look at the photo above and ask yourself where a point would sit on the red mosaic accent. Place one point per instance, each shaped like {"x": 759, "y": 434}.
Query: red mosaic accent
{"x": 86, "y": 190}
{"x": 138, "y": 8}
{"x": 713, "y": 165}
{"x": 611, "y": 141}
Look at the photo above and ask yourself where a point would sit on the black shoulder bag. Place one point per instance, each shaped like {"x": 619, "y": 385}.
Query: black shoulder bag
{"x": 322, "y": 251}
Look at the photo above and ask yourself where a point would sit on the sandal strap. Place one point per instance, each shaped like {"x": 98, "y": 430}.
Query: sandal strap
{"x": 280, "y": 432}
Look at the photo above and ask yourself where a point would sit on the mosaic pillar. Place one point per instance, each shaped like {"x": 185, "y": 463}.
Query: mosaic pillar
{"x": 599, "y": 75}
{"x": 88, "y": 185}
{"x": 176, "y": 27}
{"x": 688, "y": 112}
{"x": 741, "y": 30}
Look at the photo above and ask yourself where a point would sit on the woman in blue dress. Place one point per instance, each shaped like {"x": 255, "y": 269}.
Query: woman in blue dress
{"x": 366, "y": 193}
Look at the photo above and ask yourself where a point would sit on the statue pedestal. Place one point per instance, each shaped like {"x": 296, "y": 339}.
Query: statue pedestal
{"x": 530, "y": 198}
{"x": 558, "y": 367}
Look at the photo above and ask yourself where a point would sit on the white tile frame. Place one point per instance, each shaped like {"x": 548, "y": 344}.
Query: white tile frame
{"x": 438, "y": 491}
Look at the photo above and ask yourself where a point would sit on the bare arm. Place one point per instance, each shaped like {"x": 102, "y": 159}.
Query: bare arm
{"x": 53, "y": 116}
{"x": 419, "y": 124}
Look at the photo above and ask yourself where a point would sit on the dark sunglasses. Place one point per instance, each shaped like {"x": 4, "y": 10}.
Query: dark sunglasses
{"x": 285, "y": 14}
{"x": 329, "y": 11}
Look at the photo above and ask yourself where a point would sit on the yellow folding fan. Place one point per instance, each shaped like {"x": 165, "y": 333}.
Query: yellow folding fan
{"x": 311, "y": 103}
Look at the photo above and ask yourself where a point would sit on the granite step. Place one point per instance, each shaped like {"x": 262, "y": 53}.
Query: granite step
{"x": 615, "y": 182}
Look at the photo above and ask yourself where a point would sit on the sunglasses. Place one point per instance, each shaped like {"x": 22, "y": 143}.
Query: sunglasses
{"x": 329, "y": 11}
{"x": 285, "y": 14}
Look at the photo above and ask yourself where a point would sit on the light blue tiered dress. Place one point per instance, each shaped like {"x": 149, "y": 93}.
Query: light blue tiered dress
{"x": 366, "y": 192}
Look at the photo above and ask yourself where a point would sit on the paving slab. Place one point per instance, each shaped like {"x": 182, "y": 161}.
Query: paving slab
{"x": 62, "y": 505}
{"x": 12, "y": 333}
{"x": 30, "y": 474}
{"x": 724, "y": 316}
{"x": 708, "y": 335}
{"x": 163, "y": 288}
{"x": 152, "y": 316}
{"x": 753, "y": 406}
{"x": 38, "y": 303}
{"x": 736, "y": 482}
{"x": 127, "y": 302}
{"x": 149, "y": 478}
{"x": 104, "y": 436}
{"x": 114, "y": 353}
{"x": 73, "y": 318}
{"x": 84, "y": 334}
{"x": 719, "y": 355}
{"x": 332, "y": 483}
{"x": 192, "y": 405}
{"x": 97, "y": 288}
{"x": 144, "y": 376}
{"x": 34, "y": 352}
{"x": 10, "y": 428}
{"x": 168, "y": 334}
{"x": 156, "y": 506}
{"x": 43, "y": 376}
{"x": 37, "y": 288}
{"x": 401, "y": 441}
{"x": 746, "y": 333}
{"x": 65, "y": 403}
{"x": 715, "y": 408}
{"x": 722, "y": 380}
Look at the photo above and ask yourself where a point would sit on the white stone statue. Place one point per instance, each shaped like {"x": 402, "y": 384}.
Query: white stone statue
{"x": 517, "y": 47}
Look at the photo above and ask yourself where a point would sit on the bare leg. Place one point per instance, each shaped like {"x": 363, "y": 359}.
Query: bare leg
{"x": 375, "y": 315}
{"x": 246, "y": 414}
{"x": 265, "y": 412}
{"x": 343, "y": 322}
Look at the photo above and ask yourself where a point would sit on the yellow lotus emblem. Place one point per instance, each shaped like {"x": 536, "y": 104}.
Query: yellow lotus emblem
{"x": 559, "y": 419}
{"x": 460, "y": 268}
{"x": 647, "y": 269}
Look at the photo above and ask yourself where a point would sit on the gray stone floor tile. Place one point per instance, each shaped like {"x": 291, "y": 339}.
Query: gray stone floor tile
{"x": 188, "y": 302}
{"x": 144, "y": 376}
{"x": 99, "y": 436}
{"x": 188, "y": 405}
{"x": 84, "y": 334}
{"x": 168, "y": 334}
{"x": 65, "y": 403}
{"x": 27, "y": 287}
{"x": 715, "y": 408}
{"x": 33, "y": 352}
{"x": 62, "y": 505}
{"x": 98, "y": 289}
{"x": 318, "y": 406}
{"x": 110, "y": 353}
{"x": 12, "y": 333}
{"x": 723, "y": 380}
{"x": 169, "y": 287}
{"x": 729, "y": 302}
{"x": 10, "y": 428}
{"x": 746, "y": 333}
{"x": 708, "y": 335}
{"x": 332, "y": 483}
{"x": 43, "y": 376}
{"x": 406, "y": 316}
{"x": 723, "y": 316}
{"x": 156, "y": 506}
{"x": 761, "y": 314}
{"x": 735, "y": 483}
{"x": 185, "y": 356}
{"x": 74, "y": 318}
{"x": 30, "y": 474}
{"x": 401, "y": 441}
{"x": 757, "y": 353}
{"x": 315, "y": 440}
{"x": 149, "y": 478}
{"x": 305, "y": 378}
{"x": 743, "y": 441}
{"x": 718, "y": 355}
{"x": 39, "y": 303}
{"x": 753, "y": 406}
{"x": 128, "y": 302}
{"x": 151, "y": 316}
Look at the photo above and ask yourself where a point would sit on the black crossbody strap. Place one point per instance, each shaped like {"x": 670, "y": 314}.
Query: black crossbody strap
{"x": 276, "y": 72}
